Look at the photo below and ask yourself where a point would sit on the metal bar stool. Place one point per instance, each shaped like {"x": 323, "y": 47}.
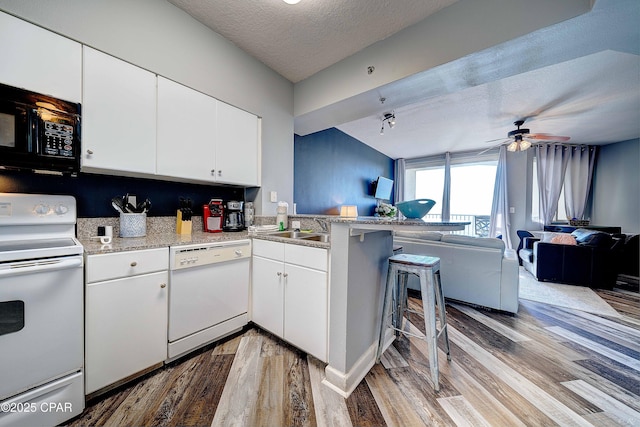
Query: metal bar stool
{"x": 427, "y": 268}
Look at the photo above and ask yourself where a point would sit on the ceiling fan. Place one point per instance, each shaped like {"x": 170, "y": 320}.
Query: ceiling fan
{"x": 520, "y": 139}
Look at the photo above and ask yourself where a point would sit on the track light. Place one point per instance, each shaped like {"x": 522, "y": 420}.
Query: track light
{"x": 390, "y": 118}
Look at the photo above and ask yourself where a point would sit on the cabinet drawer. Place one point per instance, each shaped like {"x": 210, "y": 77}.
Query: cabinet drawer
{"x": 306, "y": 256}
{"x": 268, "y": 249}
{"x": 125, "y": 264}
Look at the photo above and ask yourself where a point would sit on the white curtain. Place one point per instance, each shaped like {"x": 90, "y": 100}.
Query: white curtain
{"x": 552, "y": 163}
{"x": 577, "y": 180}
{"x": 399, "y": 174}
{"x": 500, "y": 222}
{"x": 446, "y": 192}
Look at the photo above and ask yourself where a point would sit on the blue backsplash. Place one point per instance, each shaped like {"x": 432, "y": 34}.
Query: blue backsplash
{"x": 94, "y": 192}
{"x": 332, "y": 169}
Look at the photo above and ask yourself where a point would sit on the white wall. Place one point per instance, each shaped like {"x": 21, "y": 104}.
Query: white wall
{"x": 161, "y": 38}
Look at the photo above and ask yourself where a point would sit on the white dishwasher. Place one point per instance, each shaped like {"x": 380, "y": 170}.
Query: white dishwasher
{"x": 208, "y": 293}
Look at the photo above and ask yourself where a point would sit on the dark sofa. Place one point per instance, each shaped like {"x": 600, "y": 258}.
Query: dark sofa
{"x": 593, "y": 262}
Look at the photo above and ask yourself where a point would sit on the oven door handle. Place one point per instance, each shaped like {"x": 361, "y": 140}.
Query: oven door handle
{"x": 39, "y": 266}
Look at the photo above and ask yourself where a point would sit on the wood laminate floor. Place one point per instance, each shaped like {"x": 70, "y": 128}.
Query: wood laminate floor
{"x": 546, "y": 366}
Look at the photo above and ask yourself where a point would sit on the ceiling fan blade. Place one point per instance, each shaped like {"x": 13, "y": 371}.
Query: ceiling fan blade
{"x": 547, "y": 137}
{"x": 503, "y": 142}
{"x": 497, "y": 139}
{"x": 487, "y": 149}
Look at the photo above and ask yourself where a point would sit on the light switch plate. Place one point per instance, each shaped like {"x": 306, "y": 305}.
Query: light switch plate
{"x": 295, "y": 225}
{"x": 273, "y": 196}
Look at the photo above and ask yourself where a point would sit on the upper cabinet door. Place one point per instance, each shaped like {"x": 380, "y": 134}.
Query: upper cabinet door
{"x": 38, "y": 60}
{"x": 118, "y": 115}
{"x": 186, "y": 132}
{"x": 237, "y": 146}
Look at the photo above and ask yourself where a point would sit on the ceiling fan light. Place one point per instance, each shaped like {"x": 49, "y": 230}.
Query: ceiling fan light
{"x": 513, "y": 146}
{"x": 525, "y": 145}
{"x": 291, "y": 1}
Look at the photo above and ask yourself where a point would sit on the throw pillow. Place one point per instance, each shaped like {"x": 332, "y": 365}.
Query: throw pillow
{"x": 564, "y": 239}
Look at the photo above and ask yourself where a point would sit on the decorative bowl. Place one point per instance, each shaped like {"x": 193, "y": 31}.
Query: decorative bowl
{"x": 415, "y": 209}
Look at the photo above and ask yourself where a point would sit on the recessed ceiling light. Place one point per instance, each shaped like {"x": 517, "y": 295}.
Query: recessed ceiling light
{"x": 291, "y": 1}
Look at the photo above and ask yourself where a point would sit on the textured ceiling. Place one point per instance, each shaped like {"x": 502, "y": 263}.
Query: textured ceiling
{"x": 551, "y": 99}
{"x": 299, "y": 40}
{"x": 579, "y": 78}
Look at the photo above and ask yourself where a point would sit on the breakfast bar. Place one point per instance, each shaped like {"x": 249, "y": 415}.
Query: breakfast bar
{"x": 360, "y": 248}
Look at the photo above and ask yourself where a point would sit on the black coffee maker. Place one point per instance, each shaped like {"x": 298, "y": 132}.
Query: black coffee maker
{"x": 233, "y": 216}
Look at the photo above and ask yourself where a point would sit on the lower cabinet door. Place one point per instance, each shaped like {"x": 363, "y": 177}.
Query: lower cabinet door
{"x": 267, "y": 294}
{"x": 305, "y": 310}
{"x": 125, "y": 329}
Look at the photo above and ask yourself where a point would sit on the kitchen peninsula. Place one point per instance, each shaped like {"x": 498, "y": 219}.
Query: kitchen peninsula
{"x": 360, "y": 248}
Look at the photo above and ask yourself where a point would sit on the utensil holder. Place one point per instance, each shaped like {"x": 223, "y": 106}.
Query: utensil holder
{"x": 133, "y": 224}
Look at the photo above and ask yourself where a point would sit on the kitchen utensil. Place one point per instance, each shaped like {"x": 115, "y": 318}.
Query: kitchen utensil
{"x": 116, "y": 202}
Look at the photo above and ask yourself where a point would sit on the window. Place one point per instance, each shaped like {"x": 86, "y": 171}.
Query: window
{"x": 429, "y": 184}
{"x": 471, "y": 189}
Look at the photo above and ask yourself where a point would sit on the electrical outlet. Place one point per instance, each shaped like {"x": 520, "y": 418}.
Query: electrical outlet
{"x": 512, "y": 210}
{"x": 295, "y": 225}
{"x": 273, "y": 196}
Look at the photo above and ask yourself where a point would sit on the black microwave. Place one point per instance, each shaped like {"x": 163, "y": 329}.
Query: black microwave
{"x": 38, "y": 132}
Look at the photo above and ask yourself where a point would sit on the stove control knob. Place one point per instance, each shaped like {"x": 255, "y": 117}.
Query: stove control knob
{"x": 42, "y": 209}
{"x": 61, "y": 209}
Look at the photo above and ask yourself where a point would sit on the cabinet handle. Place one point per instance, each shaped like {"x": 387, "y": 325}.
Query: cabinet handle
{"x": 286, "y": 274}
{"x": 133, "y": 264}
{"x": 89, "y": 152}
{"x": 279, "y": 274}
{"x": 164, "y": 285}
{"x": 213, "y": 172}
{"x": 220, "y": 173}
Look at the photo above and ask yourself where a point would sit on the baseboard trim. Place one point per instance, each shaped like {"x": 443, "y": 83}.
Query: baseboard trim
{"x": 344, "y": 383}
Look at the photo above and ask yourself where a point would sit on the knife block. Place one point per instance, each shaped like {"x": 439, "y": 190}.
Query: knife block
{"x": 182, "y": 227}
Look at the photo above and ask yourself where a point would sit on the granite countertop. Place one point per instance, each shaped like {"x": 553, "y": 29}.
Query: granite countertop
{"x": 161, "y": 232}
{"x": 93, "y": 246}
{"x": 390, "y": 221}
{"x": 380, "y": 220}
{"x": 301, "y": 242}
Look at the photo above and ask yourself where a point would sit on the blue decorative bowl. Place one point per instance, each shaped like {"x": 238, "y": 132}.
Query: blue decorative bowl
{"x": 415, "y": 209}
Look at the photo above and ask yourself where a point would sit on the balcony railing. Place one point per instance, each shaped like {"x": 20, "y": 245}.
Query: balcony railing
{"x": 479, "y": 224}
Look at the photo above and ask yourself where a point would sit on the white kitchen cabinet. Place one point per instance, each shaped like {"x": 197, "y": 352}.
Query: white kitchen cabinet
{"x": 305, "y": 309}
{"x": 289, "y": 294}
{"x": 125, "y": 315}
{"x": 118, "y": 116}
{"x": 268, "y": 294}
{"x": 186, "y": 132}
{"x": 39, "y": 60}
{"x": 203, "y": 139}
{"x": 237, "y": 146}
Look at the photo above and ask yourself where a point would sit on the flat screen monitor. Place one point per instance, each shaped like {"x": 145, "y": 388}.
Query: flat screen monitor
{"x": 383, "y": 188}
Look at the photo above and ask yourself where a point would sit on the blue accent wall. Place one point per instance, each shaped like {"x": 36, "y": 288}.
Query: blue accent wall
{"x": 94, "y": 192}
{"x": 332, "y": 169}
